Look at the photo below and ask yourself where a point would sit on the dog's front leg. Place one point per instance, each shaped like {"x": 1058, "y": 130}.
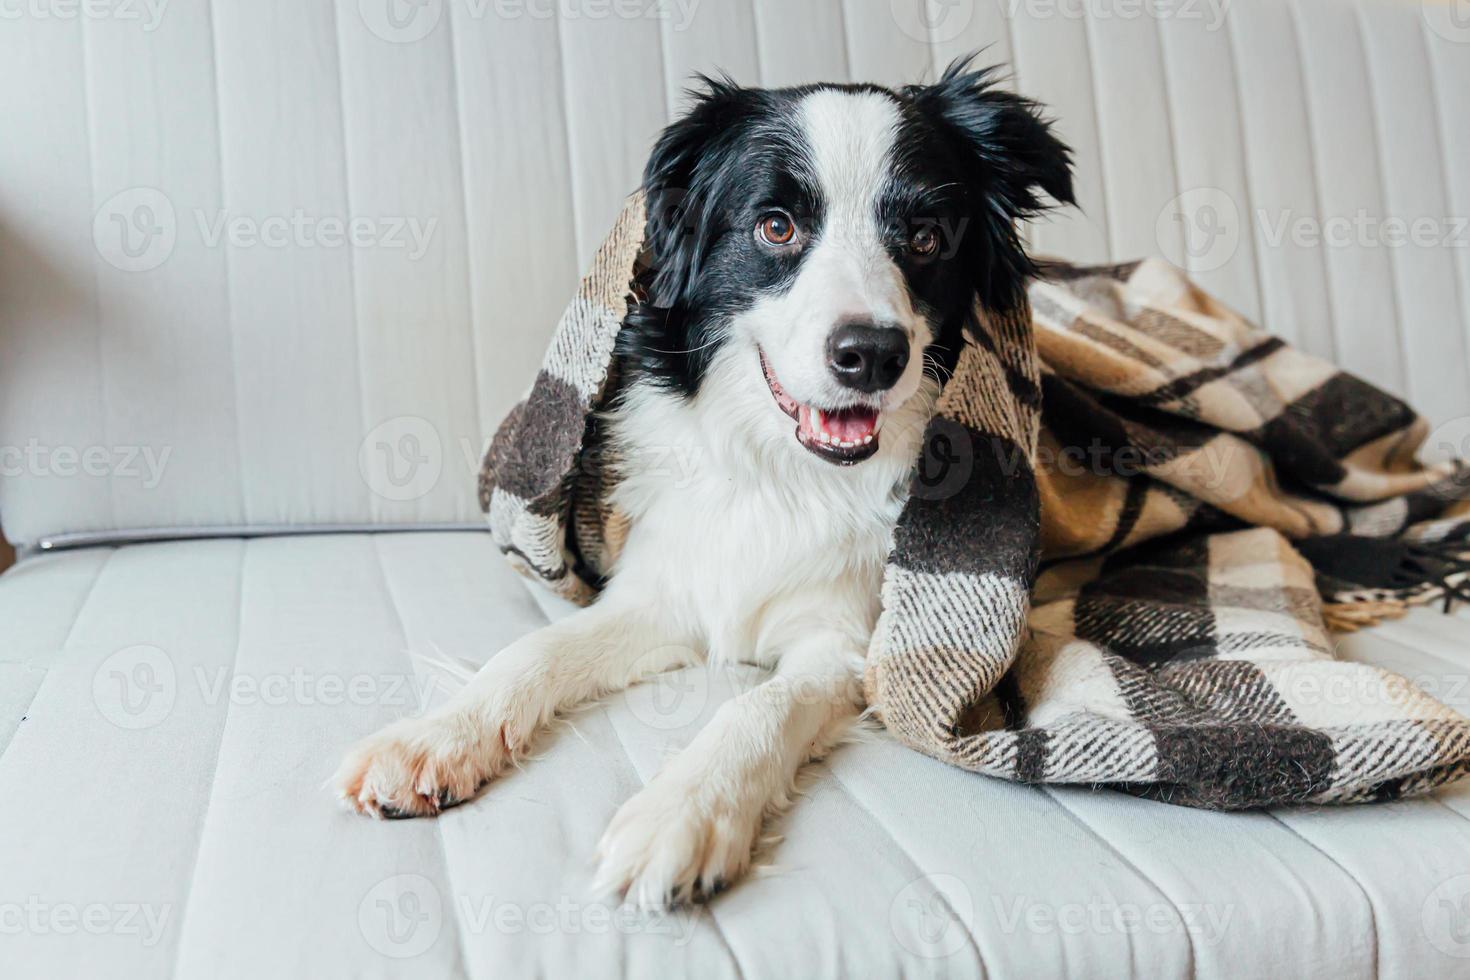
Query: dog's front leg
{"x": 418, "y": 766}
{"x": 691, "y": 830}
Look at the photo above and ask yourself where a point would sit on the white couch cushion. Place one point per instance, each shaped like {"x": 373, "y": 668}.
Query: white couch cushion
{"x": 187, "y": 340}
{"x": 192, "y": 826}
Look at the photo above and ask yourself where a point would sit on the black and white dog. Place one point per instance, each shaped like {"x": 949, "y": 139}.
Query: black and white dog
{"x": 817, "y": 252}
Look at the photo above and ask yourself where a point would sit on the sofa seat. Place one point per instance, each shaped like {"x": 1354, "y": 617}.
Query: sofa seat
{"x": 169, "y": 713}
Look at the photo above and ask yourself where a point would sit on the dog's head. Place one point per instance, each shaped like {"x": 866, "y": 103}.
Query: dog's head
{"x": 833, "y": 240}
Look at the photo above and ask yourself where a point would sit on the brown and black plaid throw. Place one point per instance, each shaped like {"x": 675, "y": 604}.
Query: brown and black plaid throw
{"x": 1133, "y": 523}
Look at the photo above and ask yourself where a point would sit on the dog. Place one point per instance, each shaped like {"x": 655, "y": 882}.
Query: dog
{"x": 814, "y": 255}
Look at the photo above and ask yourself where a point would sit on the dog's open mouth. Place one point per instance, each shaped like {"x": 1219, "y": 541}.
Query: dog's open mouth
{"x": 839, "y": 435}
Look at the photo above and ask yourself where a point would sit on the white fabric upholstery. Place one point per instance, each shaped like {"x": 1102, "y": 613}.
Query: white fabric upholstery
{"x": 212, "y": 817}
{"x": 507, "y": 137}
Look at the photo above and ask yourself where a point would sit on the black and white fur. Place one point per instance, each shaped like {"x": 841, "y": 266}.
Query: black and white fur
{"x": 769, "y": 548}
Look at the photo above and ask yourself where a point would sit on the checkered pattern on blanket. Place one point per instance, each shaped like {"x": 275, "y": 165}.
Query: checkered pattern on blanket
{"x": 1101, "y": 574}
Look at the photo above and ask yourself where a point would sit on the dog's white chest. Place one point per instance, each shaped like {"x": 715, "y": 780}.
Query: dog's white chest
{"x": 745, "y": 555}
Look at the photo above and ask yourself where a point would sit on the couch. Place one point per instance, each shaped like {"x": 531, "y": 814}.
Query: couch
{"x": 271, "y": 272}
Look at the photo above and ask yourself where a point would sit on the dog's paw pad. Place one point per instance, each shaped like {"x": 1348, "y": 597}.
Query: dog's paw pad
{"x": 414, "y": 768}
{"x": 675, "y": 843}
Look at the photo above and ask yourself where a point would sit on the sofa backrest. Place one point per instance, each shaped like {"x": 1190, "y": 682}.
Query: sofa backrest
{"x": 284, "y": 263}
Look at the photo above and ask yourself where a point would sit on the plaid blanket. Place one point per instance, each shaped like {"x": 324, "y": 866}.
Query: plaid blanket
{"x": 1132, "y": 525}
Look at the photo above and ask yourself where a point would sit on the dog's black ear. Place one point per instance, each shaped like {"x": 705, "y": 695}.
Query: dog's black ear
{"x": 679, "y": 185}
{"x": 1015, "y": 158}
{"x": 1006, "y": 132}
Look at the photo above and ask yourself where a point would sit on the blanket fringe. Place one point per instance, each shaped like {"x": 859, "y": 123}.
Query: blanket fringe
{"x": 1444, "y": 564}
{"x": 1366, "y": 580}
{"x": 1349, "y": 617}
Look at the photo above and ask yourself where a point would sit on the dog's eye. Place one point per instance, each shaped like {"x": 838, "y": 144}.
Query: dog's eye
{"x": 925, "y": 241}
{"x": 776, "y": 230}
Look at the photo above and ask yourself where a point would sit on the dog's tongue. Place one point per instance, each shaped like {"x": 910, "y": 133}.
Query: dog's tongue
{"x": 846, "y": 425}
{"x": 851, "y": 424}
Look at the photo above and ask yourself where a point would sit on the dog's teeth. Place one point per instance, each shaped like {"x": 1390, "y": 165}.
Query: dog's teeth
{"x": 823, "y": 436}
{"x": 867, "y": 439}
{"x": 818, "y": 422}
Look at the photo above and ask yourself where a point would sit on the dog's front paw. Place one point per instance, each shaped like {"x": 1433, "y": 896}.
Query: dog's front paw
{"x": 678, "y": 840}
{"x": 418, "y": 766}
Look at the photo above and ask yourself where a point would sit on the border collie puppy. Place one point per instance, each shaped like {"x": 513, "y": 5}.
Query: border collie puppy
{"x": 815, "y": 254}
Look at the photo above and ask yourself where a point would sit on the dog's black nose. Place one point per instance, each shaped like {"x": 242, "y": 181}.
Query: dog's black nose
{"x": 867, "y": 357}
